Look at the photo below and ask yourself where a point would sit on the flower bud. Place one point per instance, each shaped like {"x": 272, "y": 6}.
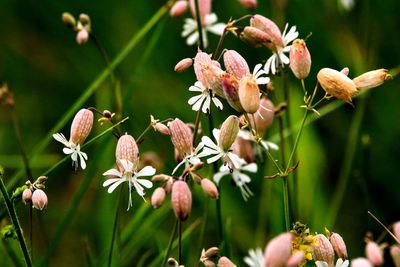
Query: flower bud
{"x": 27, "y": 195}
{"x": 228, "y": 132}
{"x": 300, "y": 59}
{"x": 337, "y": 84}
{"x": 84, "y": 19}
{"x": 324, "y": 250}
{"x": 181, "y": 137}
{"x": 82, "y": 36}
{"x": 235, "y": 64}
{"x": 179, "y": 8}
{"x": 211, "y": 252}
{"x": 396, "y": 229}
{"x": 160, "y": 178}
{"x": 209, "y": 188}
{"x": 360, "y": 262}
{"x": 81, "y": 126}
{"x": 158, "y": 197}
{"x": 162, "y": 128}
{"x": 278, "y": 250}
{"x": 39, "y": 199}
{"x": 371, "y": 79}
{"x": 127, "y": 149}
{"x": 225, "y": 262}
{"x": 243, "y": 149}
{"x": 255, "y": 36}
{"x": 208, "y": 73}
{"x": 184, "y": 64}
{"x": 338, "y": 245}
{"x": 251, "y": 4}
{"x": 264, "y": 116}
{"x": 230, "y": 87}
{"x": 296, "y": 259}
{"x": 208, "y": 263}
{"x": 395, "y": 254}
{"x": 204, "y": 9}
{"x": 181, "y": 199}
{"x": 374, "y": 253}
{"x": 270, "y": 28}
{"x": 249, "y": 94}
{"x": 68, "y": 20}
{"x": 345, "y": 71}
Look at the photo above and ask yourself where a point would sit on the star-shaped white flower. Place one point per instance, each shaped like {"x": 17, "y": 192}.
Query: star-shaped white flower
{"x": 255, "y": 258}
{"x": 257, "y": 74}
{"x": 339, "y": 263}
{"x": 130, "y": 176}
{"x": 278, "y": 57}
{"x": 190, "y": 29}
{"x": 73, "y": 150}
{"x": 205, "y": 96}
{"x": 191, "y": 159}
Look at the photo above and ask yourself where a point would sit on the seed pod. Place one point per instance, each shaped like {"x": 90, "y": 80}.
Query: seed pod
{"x": 374, "y": 253}
{"x": 209, "y": 188}
{"x": 27, "y": 195}
{"x": 255, "y": 36}
{"x": 181, "y": 199}
{"x": 337, "y": 84}
{"x": 296, "y": 259}
{"x": 158, "y": 197}
{"x": 251, "y": 4}
{"x": 81, "y": 126}
{"x": 185, "y": 63}
{"x": 300, "y": 59}
{"x": 235, "y": 64}
{"x": 127, "y": 149}
{"x": 371, "y": 79}
{"x": 230, "y": 87}
{"x": 278, "y": 250}
{"x": 360, "y": 262}
{"x": 395, "y": 254}
{"x": 204, "y": 9}
{"x": 324, "y": 250}
{"x": 179, "y": 8}
{"x": 225, "y": 262}
{"x": 264, "y": 116}
{"x": 228, "y": 132}
{"x": 338, "y": 245}
{"x": 181, "y": 137}
{"x": 39, "y": 199}
{"x": 270, "y": 28}
{"x": 249, "y": 94}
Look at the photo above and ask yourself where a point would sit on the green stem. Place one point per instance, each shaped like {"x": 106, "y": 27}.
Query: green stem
{"x": 11, "y": 253}
{"x": 286, "y": 203}
{"x": 179, "y": 242}
{"x": 115, "y": 227}
{"x": 296, "y": 142}
{"x": 199, "y": 26}
{"x": 282, "y": 140}
{"x": 170, "y": 242}
{"x": 14, "y": 219}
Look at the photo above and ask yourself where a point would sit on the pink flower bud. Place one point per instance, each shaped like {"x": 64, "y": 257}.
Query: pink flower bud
{"x": 81, "y": 126}
{"x": 360, "y": 262}
{"x": 278, "y": 250}
{"x": 181, "y": 199}
{"x": 371, "y": 79}
{"x": 158, "y": 197}
{"x": 300, "y": 59}
{"x": 251, "y": 4}
{"x": 338, "y": 245}
{"x": 209, "y": 188}
{"x": 395, "y": 254}
{"x": 228, "y": 132}
{"x": 181, "y": 137}
{"x": 270, "y": 28}
{"x": 161, "y": 128}
{"x": 179, "y": 8}
{"x": 39, "y": 199}
{"x": 27, "y": 195}
{"x": 249, "y": 94}
{"x": 208, "y": 73}
{"x": 264, "y": 116}
{"x": 211, "y": 252}
{"x": 184, "y": 64}
{"x": 208, "y": 263}
{"x": 255, "y": 36}
{"x": 243, "y": 149}
{"x": 345, "y": 71}
{"x": 337, "y": 84}
{"x": 204, "y": 9}
{"x": 296, "y": 259}
{"x": 396, "y": 229}
{"x": 374, "y": 253}
{"x": 82, "y": 36}
{"x": 225, "y": 262}
{"x": 230, "y": 87}
{"x": 235, "y": 64}
{"x": 324, "y": 250}
{"x": 127, "y": 149}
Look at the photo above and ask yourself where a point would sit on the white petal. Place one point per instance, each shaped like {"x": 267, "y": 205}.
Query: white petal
{"x": 82, "y": 159}
{"x": 210, "y": 19}
{"x": 209, "y": 143}
{"x": 115, "y": 185}
{"x": 113, "y": 172}
{"x": 193, "y": 38}
{"x": 256, "y": 69}
{"x": 262, "y": 80}
{"x": 217, "y": 29}
{"x": 61, "y": 138}
{"x": 127, "y": 165}
{"x": 217, "y": 103}
{"x": 206, "y": 106}
{"x": 68, "y": 150}
{"x": 177, "y": 166}
{"x": 252, "y": 167}
{"x": 111, "y": 181}
{"x": 268, "y": 64}
{"x": 215, "y": 133}
{"x": 270, "y": 145}
{"x": 146, "y": 171}
{"x": 273, "y": 64}
{"x": 215, "y": 158}
{"x": 74, "y": 156}
{"x": 145, "y": 183}
{"x": 139, "y": 189}
{"x": 291, "y": 35}
{"x": 194, "y": 99}
{"x": 284, "y": 58}
{"x": 217, "y": 177}
{"x": 189, "y": 27}
{"x": 195, "y": 88}
{"x": 197, "y": 105}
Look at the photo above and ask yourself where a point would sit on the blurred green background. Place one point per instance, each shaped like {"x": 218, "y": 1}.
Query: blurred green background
{"x": 47, "y": 71}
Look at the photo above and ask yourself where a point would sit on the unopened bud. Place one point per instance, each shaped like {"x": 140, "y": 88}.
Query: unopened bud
{"x": 181, "y": 199}
{"x": 300, "y": 59}
{"x": 160, "y": 178}
{"x": 27, "y": 195}
{"x": 211, "y": 252}
{"x": 158, "y": 197}
{"x": 345, "y": 71}
{"x": 225, "y": 262}
{"x": 324, "y": 250}
{"x": 184, "y": 64}
{"x": 255, "y": 36}
{"x": 197, "y": 178}
{"x": 338, "y": 245}
{"x": 68, "y": 20}
{"x": 204, "y": 9}
{"x": 269, "y": 27}
{"x": 208, "y": 263}
{"x": 179, "y": 8}
{"x": 278, "y": 250}
{"x": 374, "y": 253}
{"x": 337, "y": 84}
{"x": 264, "y": 116}
{"x": 82, "y": 36}
{"x": 248, "y": 3}
{"x": 249, "y": 94}
{"x": 243, "y": 149}
{"x": 371, "y": 79}
{"x": 395, "y": 254}
{"x": 127, "y": 149}
{"x": 228, "y": 132}
{"x": 396, "y": 229}
{"x": 208, "y": 73}
{"x": 235, "y": 64}
{"x": 39, "y": 199}
{"x": 181, "y": 137}
{"x": 209, "y": 188}
{"x": 84, "y": 19}
{"x": 296, "y": 259}
{"x": 81, "y": 126}
{"x": 230, "y": 87}
{"x": 162, "y": 128}
{"x": 360, "y": 262}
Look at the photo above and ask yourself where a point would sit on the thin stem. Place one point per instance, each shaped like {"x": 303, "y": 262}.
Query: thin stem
{"x": 286, "y": 202}
{"x": 303, "y": 87}
{"x": 14, "y": 219}
{"x": 115, "y": 227}
{"x": 296, "y": 142}
{"x": 282, "y": 140}
{"x": 199, "y": 26}
{"x": 104, "y": 56}
{"x": 171, "y": 241}
{"x": 384, "y": 227}
{"x": 179, "y": 241}
{"x": 219, "y": 45}
{"x": 196, "y": 125}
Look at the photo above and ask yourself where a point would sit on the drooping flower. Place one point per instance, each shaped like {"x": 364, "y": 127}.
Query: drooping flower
{"x": 203, "y": 100}
{"x": 255, "y": 258}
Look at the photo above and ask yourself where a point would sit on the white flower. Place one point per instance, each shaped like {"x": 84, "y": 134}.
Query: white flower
{"x": 257, "y": 72}
{"x": 278, "y": 57}
{"x": 130, "y": 176}
{"x": 339, "y": 263}
{"x": 190, "y": 29}
{"x": 255, "y": 258}
{"x": 73, "y": 150}
{"x": 192, "y": 159}
{"x": 266, "y": 144}
{"x": 205, "y": 96}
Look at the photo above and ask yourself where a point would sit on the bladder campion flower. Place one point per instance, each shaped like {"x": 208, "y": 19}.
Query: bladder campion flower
{"x": 181, "y": 199}
{"x": 300, "y": 59}
{"x": 39, "y": 199}
{"x": 203, "y": 100}
{"x": 255, "y": 258}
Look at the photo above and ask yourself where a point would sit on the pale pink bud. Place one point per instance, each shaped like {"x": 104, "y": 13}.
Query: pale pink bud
{"x": 337, "y": 84}
{"x": 181, "y": 199}
{"x": 278, "y": 250}
{"x": 161, "y": 128}
{"x": 127, "y": 149}
{"x": 300, "y": 59}
{"x": 395, "y": 254}
{"x": 324, "y": 250}
{"x": 264, "y": 116}
{"x": 360, "y": 262}
{"x": 158, "y": 197}
{"x": 27, "y": 195}
{"x": 39, "y": 199}
{"x": 236, "y": 64}
{"x": 82, "y": 36}
{"x": 248, "y": 3}
{"x": 345, "y": 71}
{"x": 270, "y": 28}
{"x": 184, "y": 64}
{"x": 208, "y": 263}
{"x": 249, "y": 94}
{"x": 179, "y": 8}
{"x": 204, "y": 9}
{"x": 243, "y": 149}
{"x": 81, "y": 126}
{"x": 211, "y": 252}
{"x": 225, "y": 262}
{"x": 160, "y": 178}
{"x": 230, "y": 87}
{"x": 296, "y": 259}
{"x": 209, "y": 188}
{"x": 374, "y": 253}
{"x": 338, "y": 245}
{"x": 371, "y": 79}
{"x": 208, "y": 73}
{"x": 396, "y": 229}
{"x": 228, "y": 132}
{"x": 181, "y": 137}
{"x": 255, "y": 36}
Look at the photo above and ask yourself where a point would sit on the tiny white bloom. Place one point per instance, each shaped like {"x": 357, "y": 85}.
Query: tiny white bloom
{"x": 130, "y": 176}
{"x": 190, "y": 29}
{"x": 257, "y": 74}
{"x": 339, "y": 263}
{"x": 191, "y": 159}
{"x": 205, "y": 97}
{"x": 72, "y": 149}
{"x": 255, "y": 258}
{"x": 278, "y": 57}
